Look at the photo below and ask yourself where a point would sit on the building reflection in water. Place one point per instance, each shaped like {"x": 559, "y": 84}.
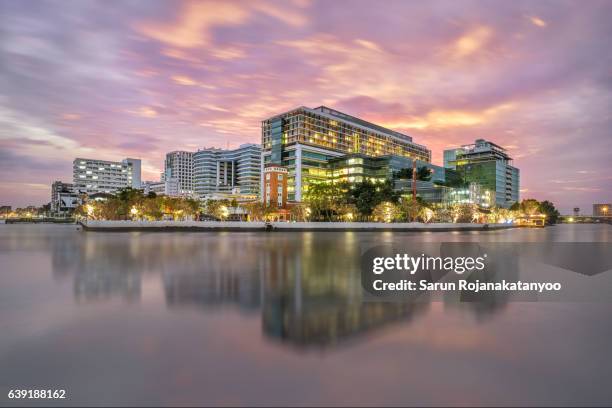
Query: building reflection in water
{"x": 306, "y": 286}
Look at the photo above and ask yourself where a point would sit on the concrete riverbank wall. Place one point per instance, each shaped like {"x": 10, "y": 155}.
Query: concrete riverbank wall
{"x": 118, "y": 226}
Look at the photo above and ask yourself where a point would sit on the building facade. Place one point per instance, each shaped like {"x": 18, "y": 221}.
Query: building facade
{"x": 473, "y": 194}
{"x": 157, "y": 187}
{"x": 227, "y": 171}
{"x": 602, "y": 210}
{"x": 178, "y": 169}
{"x": 303, "y": 140}
{"x": 64, "y": 198}
{"x": 92, "y": 176}
{"x": 489, "y": 165}
{"x": 275, "y": 187}
{"x": 356, "y": 168}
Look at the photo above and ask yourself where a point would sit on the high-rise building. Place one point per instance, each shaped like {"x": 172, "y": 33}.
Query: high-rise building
{"x": 178, "y": 169}
{"x": 226, "y": 171}
{"x": 304, "y": 139}
{"x": 102, "y": 176}
{"x": 489, "y": 165}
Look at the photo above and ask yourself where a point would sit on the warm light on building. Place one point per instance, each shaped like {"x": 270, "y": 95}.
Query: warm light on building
{"x": 275, "y": 187}
{"x": 304, "y": 140}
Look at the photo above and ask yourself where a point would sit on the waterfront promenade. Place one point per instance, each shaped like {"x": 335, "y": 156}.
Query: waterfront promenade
{"x": 163, "y": 226}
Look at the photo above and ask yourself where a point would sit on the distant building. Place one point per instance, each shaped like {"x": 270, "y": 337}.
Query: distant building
{"x": 64, "y": 198}
{"x": 157, "y": 187}
{"x": 227, "y": 171}
{"x": 275, "y": 187}
{"x": 304, "y": 139}
{"x": 91, "y": 176}
{"x": 5, "y": 211}
{"x": 136, "y": 167}
{"x": 489, "y": 165}
{"x": 602, "y": 210}
{"x": 178, "y": 170}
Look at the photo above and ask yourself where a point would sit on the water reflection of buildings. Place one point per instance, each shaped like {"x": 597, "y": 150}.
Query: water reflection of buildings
{"x": 502, "y": 264}
{"x": 308, "y": 289}
{"x": 308, "y": 295}
{"x": 100, "y": 268}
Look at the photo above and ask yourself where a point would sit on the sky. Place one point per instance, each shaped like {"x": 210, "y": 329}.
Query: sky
{"x": 116, "y": 79}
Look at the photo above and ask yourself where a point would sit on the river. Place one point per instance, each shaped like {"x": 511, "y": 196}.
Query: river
{"x": 246, "y": 318}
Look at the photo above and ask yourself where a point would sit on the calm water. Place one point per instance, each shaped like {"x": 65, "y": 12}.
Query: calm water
{"x": 277, "y": 318}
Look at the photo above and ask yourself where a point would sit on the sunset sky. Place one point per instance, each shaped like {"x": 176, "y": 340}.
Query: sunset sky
{"x": 116, "y": 79}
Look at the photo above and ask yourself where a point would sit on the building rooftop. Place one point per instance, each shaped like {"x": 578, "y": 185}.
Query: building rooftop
{"x": 482, "y": 146}
{"x": 364, "y": 124}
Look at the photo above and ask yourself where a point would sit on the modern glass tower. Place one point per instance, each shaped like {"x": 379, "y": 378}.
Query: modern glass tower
{"x": 224, "y": 171}
{"x": 303, "y": 140}
{"x": 489, "y": 165}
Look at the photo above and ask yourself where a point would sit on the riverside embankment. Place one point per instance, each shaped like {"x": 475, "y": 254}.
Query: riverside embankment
{"x": 125, "y": 226}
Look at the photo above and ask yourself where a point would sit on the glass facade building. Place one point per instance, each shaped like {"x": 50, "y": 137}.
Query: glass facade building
{"x": 356, "y": 168}
{"x": 489, "y": 165}
{"x": 224, "y": 171}
{"x": 303, "y": 140}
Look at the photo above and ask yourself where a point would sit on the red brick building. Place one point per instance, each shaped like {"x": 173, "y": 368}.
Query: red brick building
{"x": 275, "y": 187}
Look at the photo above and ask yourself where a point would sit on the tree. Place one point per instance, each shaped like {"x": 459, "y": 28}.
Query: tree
{"x": 190, "y": 207}
{"x": 323, "y": 199}
{"x": 255, "y": 210}
{"x": 217, "y": 208}
{"x": 463, "y": 212}
{"x": 152, "y": 194}
{"x": 129, "y": 194}
{"x": 346, "y": 212}
{"x": 443, "y": 214}
{"x": 386, "y": 212}
{"x": 367, "y": 195}
{"x": 552, "y": 214}
{"x": 530, "y": 206}
{"x": 364, "y": 196}
{"x": 410, "y": 208}
{"x": 299, "y": 212}
{"x": 151, "y": 209}
{"x": 501, "y": 215}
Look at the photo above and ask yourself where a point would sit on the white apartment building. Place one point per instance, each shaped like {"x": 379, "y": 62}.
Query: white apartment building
{"x": 92, "y": 176}
{"x": 157, "y": 187}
